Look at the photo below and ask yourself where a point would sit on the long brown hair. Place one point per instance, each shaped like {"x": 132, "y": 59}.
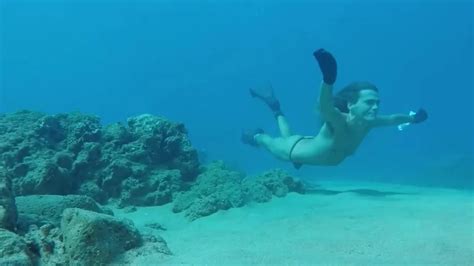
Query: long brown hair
{"x": 350, "y": 94}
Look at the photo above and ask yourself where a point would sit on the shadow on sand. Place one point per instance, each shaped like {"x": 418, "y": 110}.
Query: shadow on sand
{"x": 316, "y": 189}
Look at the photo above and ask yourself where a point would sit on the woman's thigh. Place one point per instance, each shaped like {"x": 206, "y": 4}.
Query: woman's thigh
{"x": 281, "y": 147}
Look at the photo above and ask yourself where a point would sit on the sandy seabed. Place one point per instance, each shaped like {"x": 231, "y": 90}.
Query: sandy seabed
{"x": 366, "y": 224}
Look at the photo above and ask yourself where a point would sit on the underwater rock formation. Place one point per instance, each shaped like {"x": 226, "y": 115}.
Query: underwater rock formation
{"x": 73, "y": 154}
{"x": 8, "y": 210}
{"x": 275, "y": 182}
{"x": 62, "y": 167}
{"x": 94, "y": 239}
{"x": 46, "y": 158}
{"x": 47, "y": 209}
{"x": 65, "y": 235}
{"x": 45, "y": 244}
{"x": 14, "y": 250}
{"x": 219, "y": 188}
{"x": 153, "y": 245}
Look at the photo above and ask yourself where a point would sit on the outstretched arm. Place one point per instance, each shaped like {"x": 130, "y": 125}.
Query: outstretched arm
{"x": 328, "y": 67}
{"x": 397, "y": 119}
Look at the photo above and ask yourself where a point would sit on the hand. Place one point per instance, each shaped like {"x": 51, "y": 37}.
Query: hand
{"x": 420, "y": 116}
{"x": 327, "y": 64}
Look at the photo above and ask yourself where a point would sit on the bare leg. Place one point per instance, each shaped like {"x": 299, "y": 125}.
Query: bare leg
{"x": 284, "y": 127}
{"x": 279, "y": 147}
{"x": 274, "y": 106}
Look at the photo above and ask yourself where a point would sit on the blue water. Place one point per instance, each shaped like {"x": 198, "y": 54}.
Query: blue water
{"x": 193, "y": 62}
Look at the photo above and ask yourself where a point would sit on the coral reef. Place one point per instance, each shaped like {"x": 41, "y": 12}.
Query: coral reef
{"x": 8, "y": 210}
{"x": 219, "y": 188}
{"x": 72, "y": 235}
{"x": 73, "y": 154}
{"x": 47, "y": 209}
{"x": 91, "y": 238}
{"x": 14, "y": 250}
{"x": 57, "y": 170}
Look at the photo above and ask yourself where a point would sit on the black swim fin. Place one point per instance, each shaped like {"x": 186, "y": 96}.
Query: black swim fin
{"x": 247, "y": 136}
{"x": 269, "y": 99}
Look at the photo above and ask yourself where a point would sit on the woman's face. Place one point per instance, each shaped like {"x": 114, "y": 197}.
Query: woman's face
{"x": 367, "y": 105}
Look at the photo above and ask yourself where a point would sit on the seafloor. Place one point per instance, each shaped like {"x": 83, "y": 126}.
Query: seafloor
{"x": 371, "y": 224}
{"x": 76, "y": 192}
